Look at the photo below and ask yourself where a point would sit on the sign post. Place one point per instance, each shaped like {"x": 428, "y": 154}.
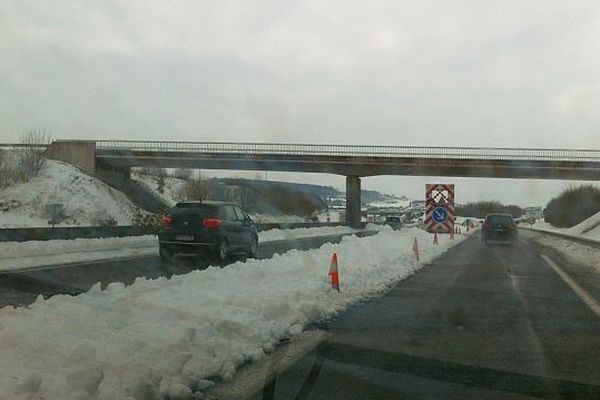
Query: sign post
{"x": 439, "y": 208}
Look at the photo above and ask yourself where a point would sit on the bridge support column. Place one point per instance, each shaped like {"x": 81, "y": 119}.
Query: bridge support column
{"x": 353, "y": 201}
{"x": 80, "y": 153}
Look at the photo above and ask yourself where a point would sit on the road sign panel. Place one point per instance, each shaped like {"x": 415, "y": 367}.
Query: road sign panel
{"x": 439, "y": 215}
{"x": 439, "y": 208}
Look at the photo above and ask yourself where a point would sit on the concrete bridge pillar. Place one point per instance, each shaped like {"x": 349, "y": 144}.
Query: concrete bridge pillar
{"x": 80, "y": 153}
{"x": 353, "y": 201}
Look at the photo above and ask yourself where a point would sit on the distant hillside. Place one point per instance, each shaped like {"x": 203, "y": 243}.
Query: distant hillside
{"x": 258, "y": 196}
{"x": 317, "y": 190}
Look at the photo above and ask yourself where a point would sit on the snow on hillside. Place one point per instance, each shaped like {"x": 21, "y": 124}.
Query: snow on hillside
{"x": 86, "y": 200}
{"x": 390, "y": 203}
{"x": 172, "y": 191}
{"x": 165, "y": 338}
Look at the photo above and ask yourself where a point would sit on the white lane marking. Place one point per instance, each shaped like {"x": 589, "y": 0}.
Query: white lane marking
{"x": 579, "y": 291}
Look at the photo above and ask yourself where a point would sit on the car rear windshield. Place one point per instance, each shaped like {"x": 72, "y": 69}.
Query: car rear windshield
{"x": 499, "y": 219}
{"x": 199, "y": 210}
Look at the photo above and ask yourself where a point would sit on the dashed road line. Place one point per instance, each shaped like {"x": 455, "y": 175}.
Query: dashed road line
{"x": 579, "y": 291}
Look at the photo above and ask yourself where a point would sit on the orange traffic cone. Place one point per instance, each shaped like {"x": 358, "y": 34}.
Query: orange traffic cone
{"x": 415, "y": 248}
{"x": 435, "y": 238}
{"x": 333, "y": 273}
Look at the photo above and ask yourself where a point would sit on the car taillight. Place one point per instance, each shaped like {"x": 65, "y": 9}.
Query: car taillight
{"x": 166, "y": 221}
{"x": 211, "y": 223}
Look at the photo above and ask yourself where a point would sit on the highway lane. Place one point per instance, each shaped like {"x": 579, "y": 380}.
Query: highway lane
{"x": 21, "y": 289}
{"x": 482, "y": 322}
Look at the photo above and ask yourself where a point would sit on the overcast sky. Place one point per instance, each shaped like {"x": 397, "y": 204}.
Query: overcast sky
{"x": 453, "y": 73}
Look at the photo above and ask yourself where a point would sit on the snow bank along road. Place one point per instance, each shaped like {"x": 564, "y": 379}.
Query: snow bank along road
{"x": 72, "y": 273}
{"x": 25, "y": 255}
{"x": 497, "y": 322}
{"x": 173, "y": 338}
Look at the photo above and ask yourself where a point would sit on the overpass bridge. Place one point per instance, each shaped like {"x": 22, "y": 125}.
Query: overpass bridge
{"x": 351, "y": 161}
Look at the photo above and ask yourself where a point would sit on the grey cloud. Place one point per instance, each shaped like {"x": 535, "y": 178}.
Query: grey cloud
{"x": 389, "y": 72}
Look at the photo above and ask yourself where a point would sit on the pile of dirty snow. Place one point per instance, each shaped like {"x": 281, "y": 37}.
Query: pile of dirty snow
{"x": 290, "y": 234}
{"x": 172, "y": 338}
{"x": 86, "y": 200}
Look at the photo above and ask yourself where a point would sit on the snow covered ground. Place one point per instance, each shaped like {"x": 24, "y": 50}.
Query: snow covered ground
{"x": 24, "y": 204}
{"x": 18, "y": 256}
{"x": 391, "y": 203}
{"x": 588, "y": 229}
{"x": 168, "y": 338}
{"x": 172, "y": 191}
{"x": 287, "y": 234}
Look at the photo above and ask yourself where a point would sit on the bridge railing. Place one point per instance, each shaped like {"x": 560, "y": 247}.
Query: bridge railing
{"x": 354, "y": 151}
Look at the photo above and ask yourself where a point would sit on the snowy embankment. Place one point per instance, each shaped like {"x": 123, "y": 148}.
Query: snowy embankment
{"x": 87, "y": 201}
{"x": 587, "y": 229}
{"x": 19, "y": 256}
{"x": 166, "y": 338}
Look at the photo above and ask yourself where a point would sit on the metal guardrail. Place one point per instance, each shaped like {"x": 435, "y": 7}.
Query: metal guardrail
{"x": 354, "y": 150}
{"x": 335, "y": 150}
{"x": 22, "y": 145}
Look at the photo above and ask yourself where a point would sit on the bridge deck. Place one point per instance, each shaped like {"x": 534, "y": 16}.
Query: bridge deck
{"x": 354, "y": 165}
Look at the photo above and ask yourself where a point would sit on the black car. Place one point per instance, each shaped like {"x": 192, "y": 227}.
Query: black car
{"x": 498, "y": 227}
{"x": 208, "y": 227}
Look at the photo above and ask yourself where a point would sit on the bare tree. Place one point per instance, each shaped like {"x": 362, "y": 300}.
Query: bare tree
{"x": 4, "y": 171}
{"x": 31, "y": 157}
{"x": 197, "y": 189}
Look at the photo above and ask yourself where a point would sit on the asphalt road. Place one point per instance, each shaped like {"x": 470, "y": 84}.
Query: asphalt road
{"x": 21, "y": 289}
{"x": 495, "y": 322}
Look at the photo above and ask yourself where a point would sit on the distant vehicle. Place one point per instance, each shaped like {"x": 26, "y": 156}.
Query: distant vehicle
{"x": 533, "y": 212}
{"x": 394, "y": 222}
{"x": 209, "y": 227}
{"x": 498, "y": 227}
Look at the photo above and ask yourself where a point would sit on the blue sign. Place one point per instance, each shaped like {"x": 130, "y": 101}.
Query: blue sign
{"x": 439, "y": 215}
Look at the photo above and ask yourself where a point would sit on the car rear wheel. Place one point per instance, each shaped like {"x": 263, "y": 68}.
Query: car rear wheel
{"x": 223, "y": 251}
{"x": 253, "y": 247}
